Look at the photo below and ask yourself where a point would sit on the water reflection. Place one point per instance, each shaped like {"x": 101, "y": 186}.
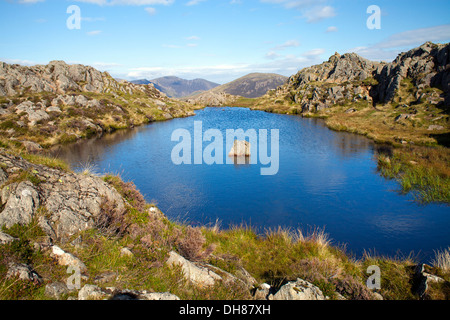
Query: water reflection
{"x": 84, "y": 152}
{"x": 326, "y": 179}
{"x": 241, "y": 161}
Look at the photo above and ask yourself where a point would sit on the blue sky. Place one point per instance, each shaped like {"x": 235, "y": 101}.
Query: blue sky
{"x": 218, "y": 40}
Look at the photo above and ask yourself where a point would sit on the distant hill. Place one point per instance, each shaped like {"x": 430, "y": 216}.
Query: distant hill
{"x": 176, "y": 87}
{"x": 253, "y": 85}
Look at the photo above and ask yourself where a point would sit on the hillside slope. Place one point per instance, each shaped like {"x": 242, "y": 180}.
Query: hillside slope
{"x": 60, "y": 103}
{"x": 176, "y": 87}
{"x": 252, "y": 85}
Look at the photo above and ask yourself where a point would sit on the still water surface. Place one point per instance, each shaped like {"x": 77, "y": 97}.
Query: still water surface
{"x": 326, "y": 179}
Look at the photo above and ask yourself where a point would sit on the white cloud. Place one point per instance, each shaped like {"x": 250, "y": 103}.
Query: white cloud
{"x": 272, "y": 55}
{"x": 418, "y": 36}
{"x": 312, "y": 10}
{"x": 94, "y": 32}
{"x": 389, "y": 48}
{"x": 297, "y": 4}
{"x": 194, "y": 2}
{"x": 316, "y": 14}
{"x": 29, "y": 1}
{"x": 104, "y": 66}
{"x": 128, "y": 2}
{"x": 19, "y": 61}
{"x": 332, "y": 29}
{"x": 221, "y": 73}
{"x": 151, "y": 11}
{"x": 287, "y": 44}
{"x": 171, "y": 46}
{"x": 192, "y": 38}
{"x": 313, "y": 53}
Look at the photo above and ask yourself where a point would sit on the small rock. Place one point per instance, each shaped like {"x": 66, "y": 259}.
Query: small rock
{"x": 298, "y": 290}
{"x": 377, "y": 296}
{"x": 126, "y": 252}
{"x": 351, "y": 110}
{"x": 23, "y": 272}
{"x": 56, "y": 290}
{"x": 53, "y": 109}
{"x": 6, "y": 238}
{"x": 67, "y": 259}
{"x": 435, "y": 127}
{"x": 262, "y": 292}
{"x": 154, "y": 211}
{"x": 200, "y": 276}
{"x": 404, "y": 116}
{"x": 106, "y": 277}
{"x": 240, "y": 148}
{"x": 32, "y": 146}
{"x": 166, "y": 296}
{"x": 91, "y": 292}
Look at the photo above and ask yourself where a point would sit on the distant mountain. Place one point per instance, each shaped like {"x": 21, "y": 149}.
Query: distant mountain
{"x": 142, "y": 81}
{"x": 253, "y": 85}
{"x": 177, "y": 88}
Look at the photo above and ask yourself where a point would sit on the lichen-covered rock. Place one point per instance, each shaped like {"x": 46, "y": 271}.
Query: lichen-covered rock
{"x": 6, "y": 238}
{"x": 21, "y": 202}
{"x": 298, "y": 290}
{"x": 198, "y": 275}
{"x": 67, "y": 259}
{"x": 56, "y": 290}
{"x": 71, "y": 201}
{"x": 23, "y": 272}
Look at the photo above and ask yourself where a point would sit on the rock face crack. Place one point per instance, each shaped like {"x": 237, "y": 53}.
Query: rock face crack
{"x": 71, "y": 201}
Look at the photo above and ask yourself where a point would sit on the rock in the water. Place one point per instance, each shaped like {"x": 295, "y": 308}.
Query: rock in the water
{"x": 240, "y": 149}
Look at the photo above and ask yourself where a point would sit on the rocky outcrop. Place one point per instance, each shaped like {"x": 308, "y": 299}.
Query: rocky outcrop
{"x": 427, "y": 66}
{"x": 93, "y": 292}
{"x": 351, "y": 78}
{"x": 298, "y": 290}
{"x": 23, "y": 272}
{"x": 422, "y": 280}
{"x": 197, "y": 274}
{"x": 60, "y": 103}
{"x": 240, "y": 149}
{"x": 59, "y": 77}
{"x": 338, "y": 69}
{"x": 212, "y": 99}
{"x": 64, "y": 203}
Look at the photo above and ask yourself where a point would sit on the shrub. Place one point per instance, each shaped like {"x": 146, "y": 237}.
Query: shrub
{"x": 111, "y": 220}
{"x": 129, "y": 191}
{"x": 191, "y": 245}
{"x": 352, "y": 289}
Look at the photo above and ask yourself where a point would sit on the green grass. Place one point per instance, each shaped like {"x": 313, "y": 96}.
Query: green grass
{"x": 274, "y": 256}
{"x": 420, "y": 170}
{"x": 48, "y": 161}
